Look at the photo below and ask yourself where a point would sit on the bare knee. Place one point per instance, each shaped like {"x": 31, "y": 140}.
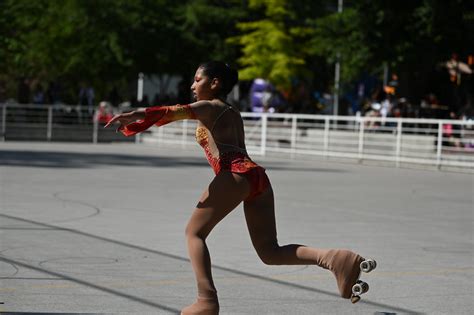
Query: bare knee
{"x": 193, "y": 232}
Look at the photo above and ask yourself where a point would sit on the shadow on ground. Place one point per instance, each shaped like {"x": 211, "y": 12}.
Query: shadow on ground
{"x": 52, "y": 159}
{"x": 166, "y": 255}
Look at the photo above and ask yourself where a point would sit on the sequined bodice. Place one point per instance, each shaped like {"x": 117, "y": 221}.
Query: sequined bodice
{"x": 222, "y": 156}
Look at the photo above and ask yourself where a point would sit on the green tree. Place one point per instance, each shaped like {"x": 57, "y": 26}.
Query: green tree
{"x": 98, "y": 41}
{"x": 272, "y": 45}
{"x": 338, "y": 35}
{"x": 109, "y": 42}
{"x": 204, "y": 25}
{"x": 410, "y": 37}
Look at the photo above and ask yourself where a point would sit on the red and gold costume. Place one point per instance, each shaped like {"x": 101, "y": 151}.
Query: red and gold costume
{"x": 220, "y": 156}
{"x": 159, "y": 116}
{"x": 344, "y": 264}
{"x": 232, "y": 158}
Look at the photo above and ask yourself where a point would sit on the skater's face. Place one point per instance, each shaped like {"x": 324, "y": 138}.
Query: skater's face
{"x": 204, "y": 88}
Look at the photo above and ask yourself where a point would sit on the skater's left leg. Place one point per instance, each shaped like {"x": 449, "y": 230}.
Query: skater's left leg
{"x": 260, "y": 217}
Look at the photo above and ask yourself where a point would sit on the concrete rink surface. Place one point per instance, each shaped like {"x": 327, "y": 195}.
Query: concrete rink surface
{"x": 100, "y": 229}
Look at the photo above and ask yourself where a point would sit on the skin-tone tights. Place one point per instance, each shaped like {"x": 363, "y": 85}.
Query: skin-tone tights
{"x": 225, "y": 193}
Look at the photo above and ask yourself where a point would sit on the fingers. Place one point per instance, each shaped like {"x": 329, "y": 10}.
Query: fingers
{"x": 124, "y": 119}
{"x": 111, "y": 121}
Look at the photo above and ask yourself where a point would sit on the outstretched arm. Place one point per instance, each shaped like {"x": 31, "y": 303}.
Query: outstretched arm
{"x": 142, "y": 119}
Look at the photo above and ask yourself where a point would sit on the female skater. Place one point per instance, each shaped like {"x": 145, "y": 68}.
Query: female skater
{"x": 220, "y": 132}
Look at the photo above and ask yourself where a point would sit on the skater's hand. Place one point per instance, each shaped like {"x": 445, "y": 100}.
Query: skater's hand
{"x": 124, "y": 119}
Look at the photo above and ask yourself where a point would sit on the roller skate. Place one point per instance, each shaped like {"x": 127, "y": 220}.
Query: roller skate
{"x": 361, "y": 287}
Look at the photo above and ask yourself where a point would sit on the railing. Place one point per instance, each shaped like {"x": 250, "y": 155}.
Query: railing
{"x": 397, "y": 140}
{"x": 420, "y": 141}
{"x": 53, "y": 123}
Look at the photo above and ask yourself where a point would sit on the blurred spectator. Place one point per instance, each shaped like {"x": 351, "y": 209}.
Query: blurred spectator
{"x": 3, "y": 90}
{"x": 114, "y": 97}
{"x": 266, "y": 98}
{"x": 452, "y": 133}
{"x": 456, "y": 70}
{"x": 392, "y": 85}
{"x": 256, "y": 92}
{"x": 86, "y": 97}
{"x": 53, "y": 93}
{"x": 386, "y": 108}
{"x": 299, "y": 98}
{"x": 156, "y": 99}
{"x": 467, "y": 113}
{"x": 263, "y": 97}
{"x": 431, "y": 108}
{"x": 324, "y": 102}
{"x": 24, "y": 91}
{"x": 39, "y": 94}
{"x": 373, "y": 112}
{"x": 145, "y": 102}
{"x": 104, "y": 113}
{"x": 125, "y": 107}
{"x": 133, "y": 102}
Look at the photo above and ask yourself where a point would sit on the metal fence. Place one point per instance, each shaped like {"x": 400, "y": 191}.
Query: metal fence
{"x": 419, "y": 141}
{"x": 53, "y": 123}
{"x": 394, "y": 140}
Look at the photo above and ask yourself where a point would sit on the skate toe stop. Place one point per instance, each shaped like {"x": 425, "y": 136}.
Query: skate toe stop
{"x": 355, "y": 299}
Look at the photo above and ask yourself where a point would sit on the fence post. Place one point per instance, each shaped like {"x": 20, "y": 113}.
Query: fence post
{"x": 326, "y": 135}
{"x": 264, "y": 135}
{"x": 4, "y": 122}
{"x": 439, "y": 144}
{"x": 361, "y": 138}
{"x": 95, "y": 129}
{"x": 49, "y": 132}
{"x": 293, "y": 136}
{"x": 399, "y": 143}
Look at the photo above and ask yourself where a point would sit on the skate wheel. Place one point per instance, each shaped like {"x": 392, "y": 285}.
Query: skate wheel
{"x": 355, "y": 299}
{"x": 368, "y": 265}
{"x": 359, "y": 288}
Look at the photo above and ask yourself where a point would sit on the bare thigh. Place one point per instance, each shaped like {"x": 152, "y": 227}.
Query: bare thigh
{"x": 260, "y": 217}
{"x": 225, "y": 193}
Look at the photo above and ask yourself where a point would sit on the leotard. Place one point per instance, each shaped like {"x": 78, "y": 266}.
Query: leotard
{"x": 221, "y": 156}
{"x": 233, "y": 158}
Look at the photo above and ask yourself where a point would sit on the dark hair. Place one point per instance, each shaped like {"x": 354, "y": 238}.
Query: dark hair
{"x": 222, "y": 71}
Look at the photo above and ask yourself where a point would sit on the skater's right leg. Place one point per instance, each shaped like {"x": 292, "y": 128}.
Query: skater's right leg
{"x": 224, "y": 193}
{"x": 260, "y": 217}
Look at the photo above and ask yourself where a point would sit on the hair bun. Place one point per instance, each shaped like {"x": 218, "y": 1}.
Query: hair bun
{"x": 223, "y": 71}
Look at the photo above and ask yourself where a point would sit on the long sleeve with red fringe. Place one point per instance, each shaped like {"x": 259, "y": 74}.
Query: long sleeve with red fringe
{"x": 159, "y": 116}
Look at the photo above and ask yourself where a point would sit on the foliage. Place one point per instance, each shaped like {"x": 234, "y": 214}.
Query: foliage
{"x": 204, "y": 25}
{"x": 108, "y": 42}
{"x": 95, "y": 41}
{"x": 338, "y": 36}
{"x": 410, "y": 37}
{"x": 270, "y": 47}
